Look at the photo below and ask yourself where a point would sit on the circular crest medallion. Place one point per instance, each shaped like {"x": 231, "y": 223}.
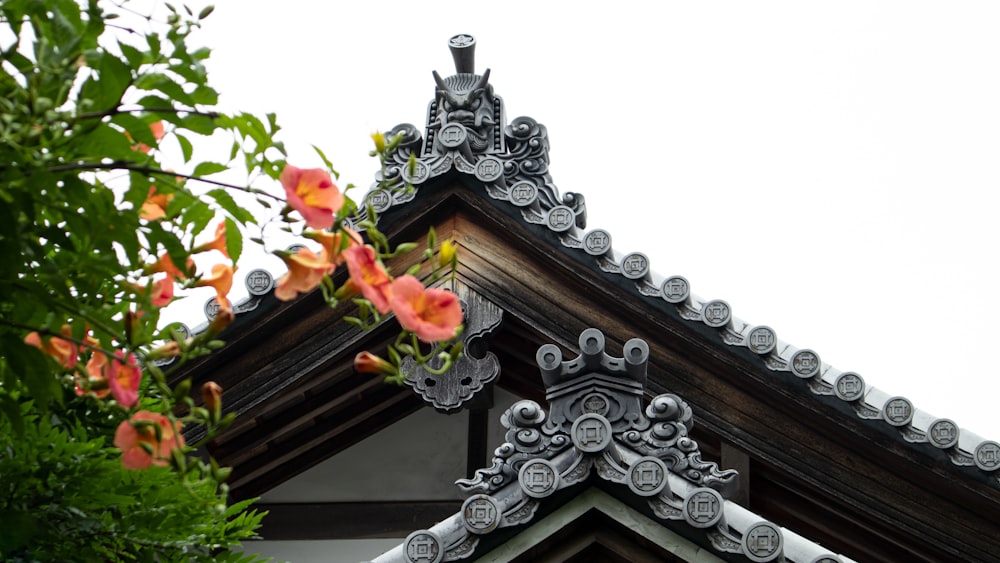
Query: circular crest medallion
{"x": 635, "y": 266}
{"x": 597, "y": 242}
{"x": 647, "y": 476}
{"x": 849, "y": 386}
{"x": 481, "y": 514}
{"x": 560, "y": 218}
{"x": 675, "y": 289}
{"x": 943, "y": 433}
{"x": 805, "y": 364}
{"x": 259, "y": 282}
{"x": 595, "y": 403}
{"x": 538, "y": 478}
{"x": 762, "y": 542}
{"x": 591, "y": 433}
{"x": 898, "y": 411}
{"x": 703, "y": 508}
{"x": 423, "y": 546}
{"x": 987, "y": 456}
{"x": 489, "y": 169}
{"x": 762, "y": 340}
{"x": 716, "y": 314}
{"x": 380, "y": 200}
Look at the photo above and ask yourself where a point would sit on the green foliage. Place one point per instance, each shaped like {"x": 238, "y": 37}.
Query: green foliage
{"x": 88, "y": 92}
{"x": 95, "y": 228}
{"x": 66, "y": 497}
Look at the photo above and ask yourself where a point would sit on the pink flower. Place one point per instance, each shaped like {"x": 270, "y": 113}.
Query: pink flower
{"x": 96, "y": 383}
{"x": 368, "y": 275}
{"x": 334, "y": 244}
{"x": 162, "y": 291}
{"x": 64, "y": 351}
{"x": 141, "y": 430}
{"x": 119, "y": 379}
{"x": 305, "y": 272}
{"x": 155, "y": 206}
{"x": 218, "y": 243}
{"x": 222, "y": 280}
{"x": 166, "y": 265}
{"x": 432, "y": 314}
{"x": 124, "y": 379}
{"x": 313, "y": 194}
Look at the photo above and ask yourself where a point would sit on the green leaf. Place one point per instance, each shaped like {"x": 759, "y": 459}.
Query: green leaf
{"x": 138, "y": 128}
{"x": 326, "y": 161}
{"x": 201, "y": 54}
{"x": 205, "y": 12}
{"x": 154, "y": 43}
{"x": 164, "y": 84}
{"x": 103, "y": 142}
{"x": 200, "y": 124}
{"x": 192, "y": 72}
{"x": 134, "y": 56}
{"x": 158, "y": 236}
{"x": 20, "y": 62}
{"x": 138, "y": 191}
{"x": 35, "y": 371}
{"x": 112, "y": 78}
{"x": 155, "y": 102}
{"x": 205, "y": 95}
{"x": 186, "y": 148}
{"x": 227, "y": 203}
{"x": 12, "y": 410}
{"x": 234, "y": 240}
{"x": 208, "y": 168}
{"x": 198, "y": 215}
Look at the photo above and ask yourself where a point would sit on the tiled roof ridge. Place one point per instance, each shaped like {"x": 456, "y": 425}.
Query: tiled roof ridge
{"x": 597, "y": 428}
{"x": 511, "y": 162}
{"x": 514, "y": 169}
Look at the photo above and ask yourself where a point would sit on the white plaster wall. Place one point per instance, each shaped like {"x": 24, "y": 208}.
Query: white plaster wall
{"x": 322, "y": 551}
{"x": 417, "y": 458}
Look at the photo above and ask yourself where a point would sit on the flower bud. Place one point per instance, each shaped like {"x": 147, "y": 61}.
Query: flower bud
{"x": 211, "y": 392}
{"x": 222, "y": 319}
{"x": 366, "y": 362}
{"x": 379, "y": 139}
{"x": 446, "y": 257}
{"x": 168, "y": 350}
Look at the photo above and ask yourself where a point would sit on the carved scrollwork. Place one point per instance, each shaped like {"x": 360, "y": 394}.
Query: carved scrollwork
{"x": 470, "y": 374}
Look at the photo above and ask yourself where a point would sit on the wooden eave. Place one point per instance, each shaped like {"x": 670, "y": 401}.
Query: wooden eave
{"x": 852, "y": 485}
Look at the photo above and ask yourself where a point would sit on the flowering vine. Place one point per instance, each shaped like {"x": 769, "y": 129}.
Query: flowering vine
{"x": 102, "y": 227}
{"x": 430, "y": 318}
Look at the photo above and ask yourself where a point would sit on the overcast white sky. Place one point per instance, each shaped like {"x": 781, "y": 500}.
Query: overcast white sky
{"x": 829, "y": 169}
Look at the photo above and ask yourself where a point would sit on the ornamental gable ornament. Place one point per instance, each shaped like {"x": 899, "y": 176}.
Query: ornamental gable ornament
{"x": 467, "y": 132}
{"x": 600, "y": 428}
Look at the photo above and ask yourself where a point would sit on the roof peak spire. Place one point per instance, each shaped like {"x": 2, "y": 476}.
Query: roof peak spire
{"x": 463, "y": 50}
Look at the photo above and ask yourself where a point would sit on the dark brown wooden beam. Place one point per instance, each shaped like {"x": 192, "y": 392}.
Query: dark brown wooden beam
{"x": 735, "y": 458}
{"x": 478, "y": 441}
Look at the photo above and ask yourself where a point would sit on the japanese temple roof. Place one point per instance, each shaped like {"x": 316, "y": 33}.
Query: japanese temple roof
{"x": 870, "y": 464}
{"x": 597, "y": 431}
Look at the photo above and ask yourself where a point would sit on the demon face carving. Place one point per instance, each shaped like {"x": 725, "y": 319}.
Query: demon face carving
{"x": 466, "y": 99}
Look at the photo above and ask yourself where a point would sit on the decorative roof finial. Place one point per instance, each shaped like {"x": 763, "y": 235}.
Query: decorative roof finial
{"x": 463, "y": 50}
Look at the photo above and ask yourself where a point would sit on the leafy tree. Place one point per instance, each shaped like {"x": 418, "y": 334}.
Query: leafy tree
{"x": 95, "y": 234}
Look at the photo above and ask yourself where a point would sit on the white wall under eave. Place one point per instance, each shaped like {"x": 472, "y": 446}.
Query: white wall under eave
{"x": 321, "y": 551}
{"x": 416, "y": 458}
{"x": 405, "y": 461}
